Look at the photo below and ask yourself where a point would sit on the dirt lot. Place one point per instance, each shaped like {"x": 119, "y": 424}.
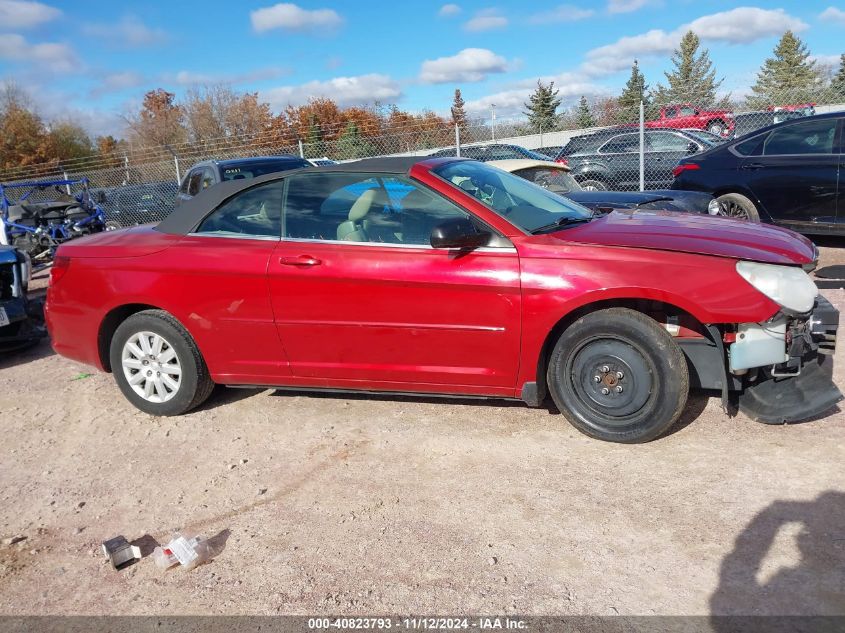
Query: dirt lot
{"x": 362, "y": 505}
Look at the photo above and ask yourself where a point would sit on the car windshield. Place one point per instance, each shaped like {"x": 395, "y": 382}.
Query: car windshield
{"x": 525, "y": 204}
{"x": 253, "y": 170}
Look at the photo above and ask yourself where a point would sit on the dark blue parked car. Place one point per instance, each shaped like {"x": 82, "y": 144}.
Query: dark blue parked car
{"x": 791, "y": 173}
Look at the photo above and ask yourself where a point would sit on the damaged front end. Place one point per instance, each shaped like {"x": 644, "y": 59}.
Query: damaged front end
{"x": 801, "y": 385}
{"x": 780, "y": 370}
{"x": 21, "y": 319}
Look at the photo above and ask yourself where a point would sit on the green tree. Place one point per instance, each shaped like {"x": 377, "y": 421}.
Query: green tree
{"x": 352, "y": 144}
{"x": 635, "y": 90}
{"x": 790, "y": 76}
{"x": 584, "y": 116}
{"x": 541, "y": 108}
{"x": 837, "y": 84}
{"x": 692, "y": 79}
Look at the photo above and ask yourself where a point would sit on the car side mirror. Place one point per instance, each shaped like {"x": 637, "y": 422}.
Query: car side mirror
{"x": 458, "y": 233}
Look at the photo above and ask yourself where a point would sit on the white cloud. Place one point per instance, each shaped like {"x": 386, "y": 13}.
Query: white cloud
{"x": 744, "y": 24}
{"x": 290, "y": 17}
{"x": 346, "y": 91}
{"x": 470, "y": 65}
{"x": 561, "y": 13}
{"x": 826, "y": 60}
{"x": 48, "y": 56}
{"x": 486, "y": 20}
{"x": 512, "y": 102}
{"x": 115, "y": 82}
{"x": 448, "y": 10}
{"x": 627, "y": 6}
{"x": 130, "y": 32}
{"x": 22, "y": 14}
{"x": 191, "y": 78}
{"x": 737, "y": 26}
{"x": 832, "y": 14}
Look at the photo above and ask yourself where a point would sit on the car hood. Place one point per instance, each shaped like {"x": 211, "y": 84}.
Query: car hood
{"x": 691, "y": 233}
{"x": 626, "y": 198}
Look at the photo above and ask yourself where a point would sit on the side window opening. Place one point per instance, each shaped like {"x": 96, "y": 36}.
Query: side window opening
{"x": 194, "y": 182}
{"x": 256, "y": 212}
{"x": 385, "y": 209}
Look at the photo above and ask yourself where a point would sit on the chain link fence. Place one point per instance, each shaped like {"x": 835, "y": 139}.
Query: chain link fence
{"x": 600, "y": 140}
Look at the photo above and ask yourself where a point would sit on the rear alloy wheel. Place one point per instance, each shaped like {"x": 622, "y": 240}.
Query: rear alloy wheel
{"x": 716, "y": 127}
{"x": 735, "y": 205}
{"x": 157, "y": 365}
{"x": 593, "y": 185}
{"x": 618, "y": 376}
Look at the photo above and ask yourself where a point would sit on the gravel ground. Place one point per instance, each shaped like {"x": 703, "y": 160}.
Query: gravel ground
{"x": 324, "y": 504}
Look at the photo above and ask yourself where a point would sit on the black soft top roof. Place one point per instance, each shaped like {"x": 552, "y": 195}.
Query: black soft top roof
{"x": 188, "y": 215}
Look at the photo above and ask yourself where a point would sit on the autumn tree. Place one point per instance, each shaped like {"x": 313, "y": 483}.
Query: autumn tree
{"x": 66, "y": 140}
{"x": 541, "y": 107}
{"x": 219, "y": 116}
{"x": 459, "y": 115}
{"x": 789, "y": 76}
{"x": 692, "y": 78}
{"x": 160, "y": 121}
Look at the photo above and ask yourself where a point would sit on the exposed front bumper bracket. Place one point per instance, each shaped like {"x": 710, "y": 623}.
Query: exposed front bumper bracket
{"x": 793, "y": 398}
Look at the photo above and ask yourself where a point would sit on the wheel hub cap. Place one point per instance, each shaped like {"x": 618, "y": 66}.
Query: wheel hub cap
{"x": 151, "y": 367}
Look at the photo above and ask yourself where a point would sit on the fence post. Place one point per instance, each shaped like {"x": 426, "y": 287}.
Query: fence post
{"x": 493, "y": 120}
{"x": 67, "y": 186}
{"x": 642, "y": 146}
{"x": 457, "y": 141}
{"x": 301, "y": 149}
{"x": 178, "y": 173}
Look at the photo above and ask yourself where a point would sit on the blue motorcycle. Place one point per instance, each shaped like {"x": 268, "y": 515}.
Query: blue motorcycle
{"x": 38, "y": 228}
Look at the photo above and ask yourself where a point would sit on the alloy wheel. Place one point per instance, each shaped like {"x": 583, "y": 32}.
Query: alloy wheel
{"x": 151, "y": 367}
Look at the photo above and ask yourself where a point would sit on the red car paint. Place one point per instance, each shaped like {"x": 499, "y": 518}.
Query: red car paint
{"x": 686, "y": 115}
{"x": 375, "y": 317}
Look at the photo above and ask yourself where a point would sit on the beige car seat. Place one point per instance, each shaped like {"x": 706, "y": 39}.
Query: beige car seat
{"x": 355, "y": 227}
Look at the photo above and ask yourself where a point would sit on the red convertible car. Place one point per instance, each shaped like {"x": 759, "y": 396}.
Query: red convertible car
{"x": 448, "y": 276}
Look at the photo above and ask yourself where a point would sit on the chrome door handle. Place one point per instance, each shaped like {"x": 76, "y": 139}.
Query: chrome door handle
{"x": 753, "y": 166}
{"x": 302, "y": 260}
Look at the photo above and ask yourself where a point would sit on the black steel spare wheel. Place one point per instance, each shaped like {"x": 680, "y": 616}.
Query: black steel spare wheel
{"x": 618, "y": 376}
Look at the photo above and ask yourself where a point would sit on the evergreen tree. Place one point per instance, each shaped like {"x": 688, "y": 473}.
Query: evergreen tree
{"x": 790, "y": 76}
{"x": 541, "y": 108}
{"x": 837, "y": 84}
{"x": 352, "y": 144}
{"x": 635, "y": 91}
{"x": 693, "y": 78}
{"x": 584, "y": 116}
{"x": 459, "y": 116}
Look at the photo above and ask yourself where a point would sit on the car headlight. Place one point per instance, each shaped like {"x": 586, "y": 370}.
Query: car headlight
{"x": 788, "y": 286}
{"x": 713, "y": 207}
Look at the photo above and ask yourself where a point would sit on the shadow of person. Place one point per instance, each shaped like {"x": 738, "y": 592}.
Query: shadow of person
{"x": 758, "y": 579}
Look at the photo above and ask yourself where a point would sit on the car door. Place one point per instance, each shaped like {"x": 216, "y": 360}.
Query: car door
{"x": 219, "y": 271}
{"x": 795, "y": 174}
{"x": 663, "y": 151}
{"x": 362, "y": 300}
{"x": 621, "y": 155}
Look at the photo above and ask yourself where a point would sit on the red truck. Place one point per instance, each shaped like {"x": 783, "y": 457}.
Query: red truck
{"x": 686, "y": 115}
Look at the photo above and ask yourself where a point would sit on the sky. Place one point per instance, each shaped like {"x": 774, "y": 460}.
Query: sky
{"x": 92, "y": 60}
